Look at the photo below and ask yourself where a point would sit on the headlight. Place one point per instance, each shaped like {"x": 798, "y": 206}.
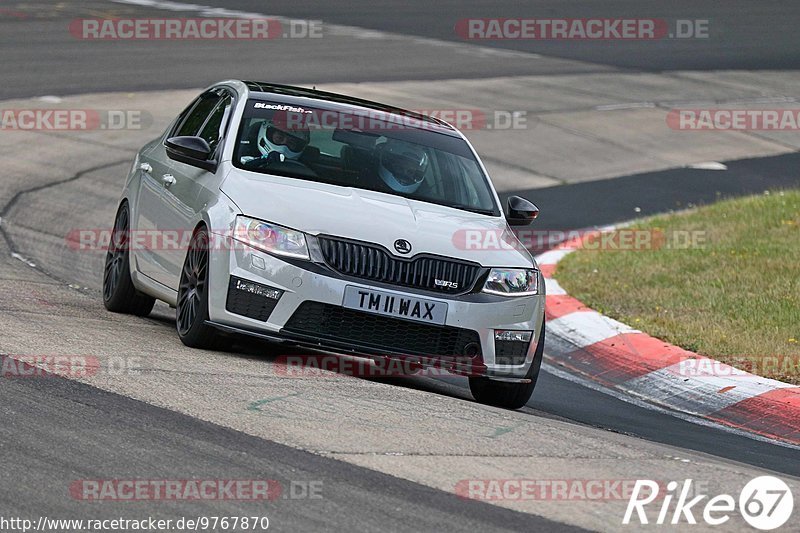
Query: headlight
{"x": 512, "y": 282}
{"x": 271, "y": 238}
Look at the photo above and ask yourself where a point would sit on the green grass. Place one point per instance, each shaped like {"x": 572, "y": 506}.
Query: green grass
{"x": 735, "y": 298}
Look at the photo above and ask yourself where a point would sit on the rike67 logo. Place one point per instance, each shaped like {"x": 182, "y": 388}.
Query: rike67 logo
{"x": 765, "y": 503}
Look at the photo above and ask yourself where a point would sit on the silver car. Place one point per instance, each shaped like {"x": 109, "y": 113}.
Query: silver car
{"x": 334, "y": 223}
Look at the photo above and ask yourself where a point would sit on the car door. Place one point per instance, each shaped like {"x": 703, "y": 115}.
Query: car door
{"x": 167, "y": 211}
{"x": 152, "y": 165}
{"x": 194, "y": 187}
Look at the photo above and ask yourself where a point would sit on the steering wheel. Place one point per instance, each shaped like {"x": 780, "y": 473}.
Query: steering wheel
{"x": 287, "y": 165}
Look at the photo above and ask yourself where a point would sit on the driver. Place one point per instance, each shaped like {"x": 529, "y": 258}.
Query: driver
{"x": 285, "y": 141}
{"x": 402, "y": 165}
{"x": 277, "y": 143}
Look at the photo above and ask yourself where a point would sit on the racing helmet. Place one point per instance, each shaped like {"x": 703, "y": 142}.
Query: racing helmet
{"x": 402, "y": 165}
{"x": 290, "y": 142}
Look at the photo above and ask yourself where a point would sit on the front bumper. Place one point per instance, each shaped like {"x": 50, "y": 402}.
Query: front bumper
{"x": 306, "y": 283}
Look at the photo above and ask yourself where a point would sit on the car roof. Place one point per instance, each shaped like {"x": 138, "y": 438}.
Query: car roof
{"x": 300, "y": 95}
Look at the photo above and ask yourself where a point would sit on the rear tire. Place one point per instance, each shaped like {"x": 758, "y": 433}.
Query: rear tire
{"x": 119, "y": 293}
{"x": 509, "y": 395}
{"x": 191, "y": 310}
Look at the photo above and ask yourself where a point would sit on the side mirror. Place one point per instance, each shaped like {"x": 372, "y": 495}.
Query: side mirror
{"x": 521, "y": 212}
{"x": 193, "y": 151}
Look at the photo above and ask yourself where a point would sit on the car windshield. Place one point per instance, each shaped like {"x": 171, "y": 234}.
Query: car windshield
{"x": 366, "y": 150}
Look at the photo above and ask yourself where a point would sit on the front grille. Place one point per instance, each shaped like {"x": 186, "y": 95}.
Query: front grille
{"x": 331, "y": 322}
{"x": 373, "y": 262}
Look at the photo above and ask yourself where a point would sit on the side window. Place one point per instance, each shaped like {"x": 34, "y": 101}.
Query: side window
{"x": 197, "y": 116}
{"x": 214, "y": 127}
{"x": 182, "y": 117}
{"x": 323, "y": 139}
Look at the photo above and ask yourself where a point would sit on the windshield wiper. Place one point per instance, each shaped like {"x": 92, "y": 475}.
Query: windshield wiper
{"x": 472, "y": 209}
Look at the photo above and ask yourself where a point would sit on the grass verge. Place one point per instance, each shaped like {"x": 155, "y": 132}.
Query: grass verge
{"x": 732, "y": 294}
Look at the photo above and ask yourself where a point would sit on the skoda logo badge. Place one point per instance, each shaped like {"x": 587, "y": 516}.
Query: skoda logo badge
{"x": 402, "y": 246}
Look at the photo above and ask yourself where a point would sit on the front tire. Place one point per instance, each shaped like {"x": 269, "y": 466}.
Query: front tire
{"x": 119, "y": 293}
{"x": 509, "y": 395}
{"x": 192, "y": 308}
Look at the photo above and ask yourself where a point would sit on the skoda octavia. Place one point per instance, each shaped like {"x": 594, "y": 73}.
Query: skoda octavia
{"x": 330, "y": 222}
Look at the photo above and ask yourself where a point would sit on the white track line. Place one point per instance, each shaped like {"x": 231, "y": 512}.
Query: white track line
{"x": 584, "y": 328}
{"x": 552, "y": 288}
{"x": 552, "y": 257}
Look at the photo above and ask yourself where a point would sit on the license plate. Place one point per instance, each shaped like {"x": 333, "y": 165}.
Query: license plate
{"x": 395, "y": 305}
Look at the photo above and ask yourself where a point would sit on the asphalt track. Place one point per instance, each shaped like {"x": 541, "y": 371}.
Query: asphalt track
{"x": 142, "y": 438}
{"x": 46, "y": 59}
{"x": 99, "y": 432}
{"x": 604, "y": 202}
{"x": 742, "y": 34}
